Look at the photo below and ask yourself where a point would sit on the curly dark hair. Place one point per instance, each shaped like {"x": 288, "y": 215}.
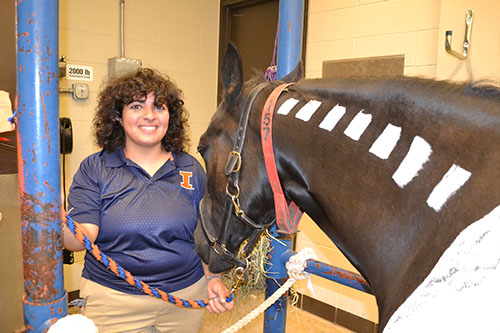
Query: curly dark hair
{"x": 121, "y": 91}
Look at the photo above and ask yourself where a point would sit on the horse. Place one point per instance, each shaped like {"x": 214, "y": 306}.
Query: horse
{"x": 394, "y": 170}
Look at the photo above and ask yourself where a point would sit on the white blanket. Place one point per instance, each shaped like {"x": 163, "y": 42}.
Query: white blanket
{"x": 462, "y": 292}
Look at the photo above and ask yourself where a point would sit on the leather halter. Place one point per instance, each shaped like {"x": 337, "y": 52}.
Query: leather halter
{"x": 232, "y": 170}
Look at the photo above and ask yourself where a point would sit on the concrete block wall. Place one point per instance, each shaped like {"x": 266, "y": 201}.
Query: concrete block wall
{"x": 347, "y": 29}
{"x": 350, "y": 29}
{"x": 177, "y": 37}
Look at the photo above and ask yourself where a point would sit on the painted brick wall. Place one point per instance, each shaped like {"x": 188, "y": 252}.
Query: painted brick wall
{"x": 178, "y": 37}
{"x": 346, "y": 29}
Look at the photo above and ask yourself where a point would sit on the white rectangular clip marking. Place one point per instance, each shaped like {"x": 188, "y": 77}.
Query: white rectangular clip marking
{"x": 332, "y": 118}
{"x": 287, "y": 106}
{"x": 451, "y": 182}
{"x": 417, "y": 155}
{"x": 358, "y": 125}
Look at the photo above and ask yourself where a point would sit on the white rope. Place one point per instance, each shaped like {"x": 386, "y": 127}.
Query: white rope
{"x": 295, "y": 268}
{"x": 261, "y": 308}
{"x": 297, "y": 264}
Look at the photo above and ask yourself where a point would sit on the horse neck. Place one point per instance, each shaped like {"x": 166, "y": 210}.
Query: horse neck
{"x": 337, "y": 183}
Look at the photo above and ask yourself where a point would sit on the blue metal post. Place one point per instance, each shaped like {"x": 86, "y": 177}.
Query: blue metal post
{"x": 332, "y": 273}
{"x": 291, "y": 21}
{"x": 291, "y": 18}
{"x": 37, "y": 108}
{"x": 338, "y": 275}
{"x": 275, "y": 315}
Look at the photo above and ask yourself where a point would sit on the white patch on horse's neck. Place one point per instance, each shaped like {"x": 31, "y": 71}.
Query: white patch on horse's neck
{"x": 385, "y": 143}
{"x": 451, "y": 182}
{"x": 287, "y": 106}
{"x": 417, "y": 155}
{"x": 358, "y": 125}
{"x": 305, "y": 113}
{"x": 462, "y": 291}
{"x": 332, "y": 118}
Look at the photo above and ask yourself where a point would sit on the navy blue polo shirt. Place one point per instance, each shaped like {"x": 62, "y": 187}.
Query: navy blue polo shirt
{"x": 146, "y": 223}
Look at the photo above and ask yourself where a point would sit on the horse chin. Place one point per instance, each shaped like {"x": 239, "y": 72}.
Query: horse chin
{"x": 207, "y": 255}
{"x": 217, "y": 265}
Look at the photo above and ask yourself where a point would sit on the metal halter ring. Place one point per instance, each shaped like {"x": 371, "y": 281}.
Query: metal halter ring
{"x": 239, "y": 273}
{"x": 239, "y": 277}
{"x": 234, "y": 198}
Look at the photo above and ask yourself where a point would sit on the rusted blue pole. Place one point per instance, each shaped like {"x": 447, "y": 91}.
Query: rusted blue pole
{"x": 275, "y": 315}
{"x": 332, "y": 273}
{"x": 291, "y": 18}
{"x": 37, "y": 108}
{"x": 338, "y": 275}
{"x": 291, "y": 21}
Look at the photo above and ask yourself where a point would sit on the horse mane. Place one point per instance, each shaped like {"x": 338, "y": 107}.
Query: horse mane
{"x": 483, "y": 88}
{"x": 429, "y": 93}
{"x": 256, "y": 78}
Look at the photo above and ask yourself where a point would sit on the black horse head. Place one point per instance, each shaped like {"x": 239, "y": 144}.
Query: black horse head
{"x": 238, "y": 203}
{"x": 334, "y": 162}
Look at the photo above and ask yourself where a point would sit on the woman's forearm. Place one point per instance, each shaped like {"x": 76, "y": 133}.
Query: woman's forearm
{"x": 70, "y": 242}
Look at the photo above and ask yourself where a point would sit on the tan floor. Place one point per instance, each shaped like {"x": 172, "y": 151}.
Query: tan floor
{"x": 297, "y": 320}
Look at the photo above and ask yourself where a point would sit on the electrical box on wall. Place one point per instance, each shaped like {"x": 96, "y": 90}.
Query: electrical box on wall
{"x": 77, "y": 90}
{"x": 120, "y": 65}
{"x": 80, "y": 90}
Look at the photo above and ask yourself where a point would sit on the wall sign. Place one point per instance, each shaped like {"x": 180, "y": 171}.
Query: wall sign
{"x": 81, "y": 73}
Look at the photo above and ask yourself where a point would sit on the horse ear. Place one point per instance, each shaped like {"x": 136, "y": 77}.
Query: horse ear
{"x": 295, "y": 75}
{"x": 232, "y": 73}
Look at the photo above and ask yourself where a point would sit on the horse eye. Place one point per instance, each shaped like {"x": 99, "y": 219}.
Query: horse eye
{"x": 202, "y": 150}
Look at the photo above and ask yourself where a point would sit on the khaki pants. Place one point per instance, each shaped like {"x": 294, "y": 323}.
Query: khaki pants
{"x": 114, "y": 311}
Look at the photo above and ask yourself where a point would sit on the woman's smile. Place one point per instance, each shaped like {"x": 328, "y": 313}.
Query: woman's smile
{"x": 145, "y": 123}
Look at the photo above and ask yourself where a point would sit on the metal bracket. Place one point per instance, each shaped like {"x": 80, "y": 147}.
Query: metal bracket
{"x": 469, "y": 15}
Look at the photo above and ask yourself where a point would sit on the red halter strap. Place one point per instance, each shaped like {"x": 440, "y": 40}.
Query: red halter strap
{"x": 287, "y": 217}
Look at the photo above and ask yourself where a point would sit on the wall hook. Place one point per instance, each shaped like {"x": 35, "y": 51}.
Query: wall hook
{"x": 469, "y": 15}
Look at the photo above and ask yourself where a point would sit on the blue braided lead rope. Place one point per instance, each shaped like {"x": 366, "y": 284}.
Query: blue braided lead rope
{"x": 125, "y": 275}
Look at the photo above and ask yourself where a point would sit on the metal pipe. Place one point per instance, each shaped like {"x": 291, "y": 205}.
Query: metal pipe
{"x": 338, "y": 275}
{"x": 275, "y": 315}
{"x": 37, "y": 107}
{"x": 291, "y": 21}
{"x": 291, "y": 18}
{"x": 332, "y": 273}
{"x": 122, "y": 28}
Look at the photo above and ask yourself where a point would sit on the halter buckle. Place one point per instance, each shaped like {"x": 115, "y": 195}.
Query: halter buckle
{"x": 233, "y": 164}
{"x": 222, "y": 248}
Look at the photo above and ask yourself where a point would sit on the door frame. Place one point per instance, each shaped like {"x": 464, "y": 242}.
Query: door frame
{"x": 226, "y": 9}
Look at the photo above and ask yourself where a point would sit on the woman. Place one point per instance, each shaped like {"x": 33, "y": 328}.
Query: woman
{"x": 138, "y": 200}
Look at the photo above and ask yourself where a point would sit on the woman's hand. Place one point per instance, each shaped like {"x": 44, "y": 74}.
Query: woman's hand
{"x": 217, "y": 293}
